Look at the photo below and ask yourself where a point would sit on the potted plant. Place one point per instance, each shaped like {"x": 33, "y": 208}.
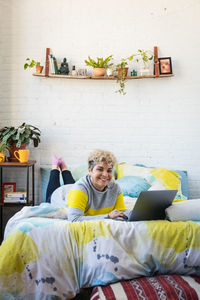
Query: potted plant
{"x": 3, "y": 149}
{"x": 19, "y": 137}
{"x": 32, "y": 63}
{"x": 143, "y": 57}
{"x": 122, "y": 70}
{"x": 99, "y": 65}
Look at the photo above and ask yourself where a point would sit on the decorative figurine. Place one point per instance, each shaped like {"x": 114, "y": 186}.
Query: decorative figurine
{"x": 134, "y": 73}
{"x": 64, "y": 69}
{"x": 74, "y": 73}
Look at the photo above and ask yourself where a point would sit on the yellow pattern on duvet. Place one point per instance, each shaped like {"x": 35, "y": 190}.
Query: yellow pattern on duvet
{"x": 173, "y": 238}
{"x": 14, "y": 257}
{"x": 84, "y": 232}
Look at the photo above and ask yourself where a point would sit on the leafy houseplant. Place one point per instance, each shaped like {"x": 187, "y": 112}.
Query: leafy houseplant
{"x": 19, "y": 137}
{"x": 99, "y": 65}
{"x": 122, "y": 70}
{"x": 143, "y": 57}
{"x": 32, "y": 63}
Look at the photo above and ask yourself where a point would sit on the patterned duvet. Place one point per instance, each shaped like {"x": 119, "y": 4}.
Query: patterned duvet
{"x": 44, "y": 256}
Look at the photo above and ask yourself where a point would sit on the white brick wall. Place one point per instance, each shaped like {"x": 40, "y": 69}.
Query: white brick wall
{"x": 156, "y": 123}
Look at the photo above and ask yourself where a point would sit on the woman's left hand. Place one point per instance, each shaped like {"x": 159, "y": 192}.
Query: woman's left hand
{"x": 116, "y": 213}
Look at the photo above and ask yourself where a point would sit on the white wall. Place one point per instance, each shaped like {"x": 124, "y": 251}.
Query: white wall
{"x": 156, "y": 123}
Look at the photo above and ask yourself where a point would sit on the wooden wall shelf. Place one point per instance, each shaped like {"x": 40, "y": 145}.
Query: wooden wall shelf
{"x": 102, "y": 77}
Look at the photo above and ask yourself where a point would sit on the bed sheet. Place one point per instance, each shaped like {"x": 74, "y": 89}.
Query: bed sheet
{"x": 44, "y": 256}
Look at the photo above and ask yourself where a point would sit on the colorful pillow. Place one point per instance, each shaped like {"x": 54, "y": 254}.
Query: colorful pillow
{"x": 132, "y": 185}
{"x": 184, "y": 182}
{"x": 183, "y": 178}
{"x": 157, "y": 178}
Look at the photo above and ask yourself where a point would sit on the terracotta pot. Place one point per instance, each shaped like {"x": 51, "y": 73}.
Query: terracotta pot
{"x": 2, "y": 157}
{"x": 97, "y": 72}
{"x": 126, "y": 72}
{"x": 12, "y": 149}
{"x": 39, "y": 69}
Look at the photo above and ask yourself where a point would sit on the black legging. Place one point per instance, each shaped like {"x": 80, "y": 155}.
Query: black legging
{"x": 54, "y": 182}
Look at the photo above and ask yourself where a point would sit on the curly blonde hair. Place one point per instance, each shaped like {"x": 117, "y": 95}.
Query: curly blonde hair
{"x": 98, "y": 156}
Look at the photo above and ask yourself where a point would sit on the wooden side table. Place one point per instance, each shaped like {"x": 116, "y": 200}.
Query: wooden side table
{"x": 29, "y": 166}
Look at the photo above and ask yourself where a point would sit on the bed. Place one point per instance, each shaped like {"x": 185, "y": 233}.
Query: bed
{"x": 44, "y": 256}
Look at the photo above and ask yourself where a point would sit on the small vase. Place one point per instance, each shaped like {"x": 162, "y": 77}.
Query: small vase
{"x": 144, "y": 68}
{"x": 98, "y": 72}
{"x": 2, "y": 157}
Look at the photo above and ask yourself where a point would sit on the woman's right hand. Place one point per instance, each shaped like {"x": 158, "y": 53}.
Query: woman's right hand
{"x": 116, "y": 213}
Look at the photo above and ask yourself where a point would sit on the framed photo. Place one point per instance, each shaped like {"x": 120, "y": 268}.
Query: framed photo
{"x": 6, "y": 188}
{"x": 165, "y": 65}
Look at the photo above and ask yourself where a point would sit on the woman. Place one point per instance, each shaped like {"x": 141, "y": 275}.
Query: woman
{"x": 94, "y": 196}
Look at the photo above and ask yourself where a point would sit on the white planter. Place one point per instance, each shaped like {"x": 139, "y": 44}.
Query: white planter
{"x": 109, "y": 72}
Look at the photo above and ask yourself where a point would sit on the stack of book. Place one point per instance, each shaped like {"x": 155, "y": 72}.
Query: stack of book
{"x": 53, "y": 67}
{"x": 15, "y": 197}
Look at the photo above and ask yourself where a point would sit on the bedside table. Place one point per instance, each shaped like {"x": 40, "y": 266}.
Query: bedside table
{"x": 7, "y": 210}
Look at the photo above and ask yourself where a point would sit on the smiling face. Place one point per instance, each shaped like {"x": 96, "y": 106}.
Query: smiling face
{"x": 101, "y": 175}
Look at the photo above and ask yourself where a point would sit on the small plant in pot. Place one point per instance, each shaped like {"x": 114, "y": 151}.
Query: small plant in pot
{"x": 99, "y": 65}
{"x": 122, "y": 70}
{"x": 143, "y": 57}
{"x": 32, "y": 63}
{"x": 19, "y": 137}
{"x": 3, "y": 150}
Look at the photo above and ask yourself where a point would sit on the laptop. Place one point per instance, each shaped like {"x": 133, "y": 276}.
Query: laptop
{"x": 151, "y": 205}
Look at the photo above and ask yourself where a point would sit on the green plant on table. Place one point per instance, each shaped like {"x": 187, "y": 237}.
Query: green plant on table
{"x": 100, "y": 62}
{"x": 22, "y": 134}
{"x": 30, "y": 63}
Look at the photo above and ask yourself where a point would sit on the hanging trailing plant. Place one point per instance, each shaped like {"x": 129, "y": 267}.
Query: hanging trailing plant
{"x": 122, "y": 71}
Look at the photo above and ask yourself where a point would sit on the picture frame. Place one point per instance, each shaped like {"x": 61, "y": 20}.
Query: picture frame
{"x": 165, "y": 65}
{"x": 6, "y": 188}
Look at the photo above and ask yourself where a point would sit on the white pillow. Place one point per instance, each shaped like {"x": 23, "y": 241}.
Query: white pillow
{"x": 59, "y": 196}
{"x": 184, "y": 211}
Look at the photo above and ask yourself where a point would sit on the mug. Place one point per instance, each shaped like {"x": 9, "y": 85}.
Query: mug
{"x": 22, "y": 155}
{"x": 2, "y": 156}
